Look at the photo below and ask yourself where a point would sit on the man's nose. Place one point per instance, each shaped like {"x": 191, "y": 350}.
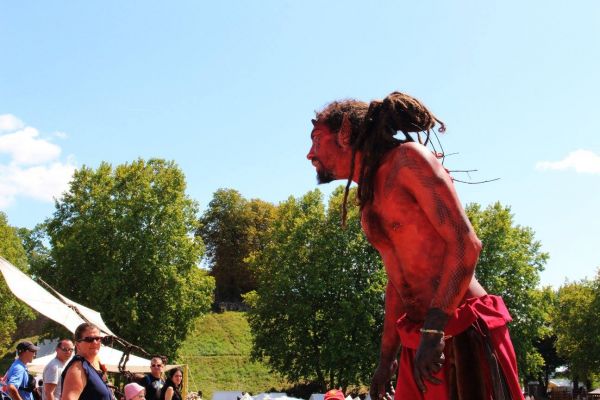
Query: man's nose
{"x": 310, "y": 154}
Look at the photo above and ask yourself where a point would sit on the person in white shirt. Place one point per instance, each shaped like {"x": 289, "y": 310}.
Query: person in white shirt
{"x": 52, "y": 371}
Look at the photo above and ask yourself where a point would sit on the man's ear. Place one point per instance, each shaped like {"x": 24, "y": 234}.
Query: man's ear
{"x": 345, "y": 132}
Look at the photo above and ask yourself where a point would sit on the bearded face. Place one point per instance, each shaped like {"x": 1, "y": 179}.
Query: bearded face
{"x": 331, "y": 153}
{"x": 324, "y": 176}
{"x": 323, "y": 153}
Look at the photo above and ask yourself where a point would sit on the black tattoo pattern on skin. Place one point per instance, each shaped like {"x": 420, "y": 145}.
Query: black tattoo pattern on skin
{"x": 457, "y": 276}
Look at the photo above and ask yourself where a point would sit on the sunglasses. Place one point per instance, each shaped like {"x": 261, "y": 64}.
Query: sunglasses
{"x": 156, "y": 365}
{"x": 66, "y": 350}
{"x": 90, "y": 339}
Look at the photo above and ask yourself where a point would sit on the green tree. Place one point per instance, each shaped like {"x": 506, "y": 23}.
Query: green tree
{"x": 232, "y": 228}
{"x": 38, "y": 255}
{"x": 123, "y": 244}
{"x": 546, "y": 342}
{"x": 509, "y": 266}
{"x": 317, "y": 313}
{"x": 13, "y": 310}
{"x": 577, "y": 327}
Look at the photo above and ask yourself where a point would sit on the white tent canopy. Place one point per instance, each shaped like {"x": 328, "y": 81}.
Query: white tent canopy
{"x": 272, "y": 395}
{"x": 246, "y": 396}
{"x": 231, "y": 395}
{"x": 46, "y": 303}
{"x": 108, "y": 356}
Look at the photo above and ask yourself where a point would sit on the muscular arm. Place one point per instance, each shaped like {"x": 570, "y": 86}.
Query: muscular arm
{"x": 428, "y": 182}
{"x": 425, "y": 178}
{"x": 75, "y": 381}
{"x": 49, "y": 391}
{"x": 390, "y": 343}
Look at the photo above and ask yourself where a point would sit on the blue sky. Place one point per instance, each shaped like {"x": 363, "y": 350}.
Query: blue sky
{"x": 227, "y": 90}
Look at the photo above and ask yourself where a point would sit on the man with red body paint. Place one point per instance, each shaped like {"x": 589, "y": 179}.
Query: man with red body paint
{"x": 455, "y": 343}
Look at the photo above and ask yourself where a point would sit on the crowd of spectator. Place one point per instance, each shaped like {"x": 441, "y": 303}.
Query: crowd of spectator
{"x": 77, "y": 373}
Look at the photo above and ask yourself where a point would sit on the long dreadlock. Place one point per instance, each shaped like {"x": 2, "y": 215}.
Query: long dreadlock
{"x": 374, "y": 127}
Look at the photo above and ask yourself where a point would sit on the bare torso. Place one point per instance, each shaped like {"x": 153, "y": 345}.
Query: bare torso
{"x": 413, "y": 249}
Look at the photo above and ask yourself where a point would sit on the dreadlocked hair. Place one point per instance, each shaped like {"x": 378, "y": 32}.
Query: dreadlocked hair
{"x": 374, "y": 127}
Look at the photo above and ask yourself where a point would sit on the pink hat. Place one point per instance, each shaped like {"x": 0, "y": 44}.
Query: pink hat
{"x": 132, "y": 390}
{"x": 334, "y": 394}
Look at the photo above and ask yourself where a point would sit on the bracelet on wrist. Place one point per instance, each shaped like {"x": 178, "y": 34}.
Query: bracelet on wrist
{"x": 434, "y": 331}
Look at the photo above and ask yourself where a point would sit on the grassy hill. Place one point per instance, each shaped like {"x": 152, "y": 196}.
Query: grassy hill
{"x": 217, "y": 351}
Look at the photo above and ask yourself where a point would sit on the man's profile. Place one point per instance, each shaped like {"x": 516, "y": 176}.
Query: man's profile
{"x": 454, "y": 339}
{"x": 19, "y": 383}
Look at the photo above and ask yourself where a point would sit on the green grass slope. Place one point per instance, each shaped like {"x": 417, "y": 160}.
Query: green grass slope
{"x": 217, "y": 351}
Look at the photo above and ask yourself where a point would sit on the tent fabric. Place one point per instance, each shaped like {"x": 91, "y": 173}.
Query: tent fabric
{"x": 37, "y": 297}
{"x": 92, "y": 315}
{"x": 560, "y": 382}
{"x": 246, "y": 396}
{"x": 46, "y": 303}
{"x": 108, "y": 356}
{"x": 272, "y": 395}
{"x": 227, "y": 395}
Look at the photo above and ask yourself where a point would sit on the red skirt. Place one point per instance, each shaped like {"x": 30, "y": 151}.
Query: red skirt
{"x": 480, "y": 324}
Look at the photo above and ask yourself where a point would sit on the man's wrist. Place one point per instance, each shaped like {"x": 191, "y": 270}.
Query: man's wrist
{"x": 435, "y": 320}
{"x": 386, "y": 358}
{"x": 432, "y": 331}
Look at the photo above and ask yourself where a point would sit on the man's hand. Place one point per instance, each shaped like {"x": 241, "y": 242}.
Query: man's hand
{"x": 381, "y": 381}
{"x": 429, "y": 359}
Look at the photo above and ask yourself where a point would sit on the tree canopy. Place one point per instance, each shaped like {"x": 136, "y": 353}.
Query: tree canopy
{"x": 509, "y": 266}
{"x": 13, "y": 310}
{"x": 317, "y": 313}
{"x": 232, "y": 228}
{"x": 122, "y": 243}
{"x": 38, "y": 255}
{"x": 577, "y": 327}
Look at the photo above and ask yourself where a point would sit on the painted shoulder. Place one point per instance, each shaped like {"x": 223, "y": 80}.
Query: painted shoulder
{"x": 413, "y": 154}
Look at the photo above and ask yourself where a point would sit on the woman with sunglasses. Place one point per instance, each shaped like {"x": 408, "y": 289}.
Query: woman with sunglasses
{"x": 172, "y": 387}
{"x": 84, "y": 378}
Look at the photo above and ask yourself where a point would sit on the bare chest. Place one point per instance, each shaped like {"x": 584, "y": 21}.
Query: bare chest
{"x": 394, "y": 218}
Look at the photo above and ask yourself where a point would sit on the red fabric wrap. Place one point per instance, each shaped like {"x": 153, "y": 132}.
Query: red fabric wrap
{"x": 488, "y": 309}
